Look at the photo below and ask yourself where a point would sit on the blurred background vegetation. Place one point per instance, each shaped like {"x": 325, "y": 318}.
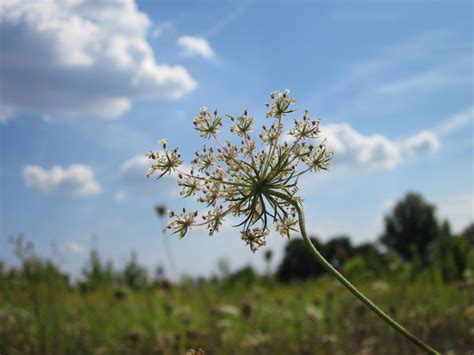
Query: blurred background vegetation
{"x": 418, "y": 271}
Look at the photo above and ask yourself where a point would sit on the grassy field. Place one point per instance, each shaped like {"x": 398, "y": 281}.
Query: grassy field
{"x": 314, "y": 317}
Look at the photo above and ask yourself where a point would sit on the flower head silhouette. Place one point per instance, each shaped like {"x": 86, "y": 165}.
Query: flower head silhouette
{"x": 246, "y": 179}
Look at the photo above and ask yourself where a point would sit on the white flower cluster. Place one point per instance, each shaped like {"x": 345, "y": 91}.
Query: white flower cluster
{"x": 244, "y": 181}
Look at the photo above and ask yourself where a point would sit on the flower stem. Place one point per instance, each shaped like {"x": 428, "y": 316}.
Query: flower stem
{"x": 347, "y": 283}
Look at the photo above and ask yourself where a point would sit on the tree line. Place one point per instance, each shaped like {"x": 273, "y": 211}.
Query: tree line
{"x": 414, "y": 244}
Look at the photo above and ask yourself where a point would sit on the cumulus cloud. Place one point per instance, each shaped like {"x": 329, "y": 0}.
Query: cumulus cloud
{"x": 81, "y": 58}
{"x": 374, "y": 152}
{"x": 193, "y": 46}
{"x": 423, "y": 142}
{"x": 353, "y": 149}
{"x": 133, "y": 176}
{"x": 76, "y": 179}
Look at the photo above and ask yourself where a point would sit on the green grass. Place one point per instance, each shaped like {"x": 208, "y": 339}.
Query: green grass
{"x": 315, "y": 317}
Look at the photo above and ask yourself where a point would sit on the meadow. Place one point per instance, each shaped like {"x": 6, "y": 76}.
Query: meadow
{"x": 297, "y": 308}
{"x": 317, "y": 316}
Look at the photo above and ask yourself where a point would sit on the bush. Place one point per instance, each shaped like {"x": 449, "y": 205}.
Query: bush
{"x": 244, "y": 277}
{"x": 452, "y": 257}
{"x": 298, "y": 262}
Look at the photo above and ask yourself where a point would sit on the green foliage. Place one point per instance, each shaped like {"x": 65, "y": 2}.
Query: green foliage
{"x": 244, "y": 277}
{"x": 33, "y": 268}
{"x": 241, "y": 313}
{"x": 468, "y": 233}
{"x": 338, "y": 250}
{"x": 315, "y": 317}
{"x": 356, "y": 268}
{"x": 363, "y": 261}
{"x": 125, "y": 312}
{"x": 375, "y": 261}
{"x": 411, "y": 228}
{"x": 96, "y": 273}
{"x": 366, "y": 266}
{"x": 398, "y": 267}
{"x": 298, "y": 262}
{"x": 452, "y": 255}
{"x": 134, "y": 275}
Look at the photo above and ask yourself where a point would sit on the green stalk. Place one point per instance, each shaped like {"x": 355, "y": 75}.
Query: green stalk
{"x": 327, "y": 265}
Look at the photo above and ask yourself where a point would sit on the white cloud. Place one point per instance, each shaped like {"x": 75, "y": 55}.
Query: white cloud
{"x": 376, "y": 152}
{"x": 133, "y": 175}
{"x": 422, "y": 142}
{"x": 353, "y": 149}
{"x": 77, "y": 179}
{"x": 192, "y": 46}
{"x": 456, "y": 122}
{"x": 81, "y": 58}
{"x": 75, "y": 247}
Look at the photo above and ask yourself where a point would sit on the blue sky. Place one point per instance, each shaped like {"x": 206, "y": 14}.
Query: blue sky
{"x": 87, "y": 88}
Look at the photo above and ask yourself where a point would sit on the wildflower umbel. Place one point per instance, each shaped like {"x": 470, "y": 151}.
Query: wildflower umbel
{"x": 246, "y": 180}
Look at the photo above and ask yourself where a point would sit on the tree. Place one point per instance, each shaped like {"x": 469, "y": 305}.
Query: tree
{"x": 298, "y": 262}
{"x": 96, "y": 273}
{"x": 468, "y": 233}
{"x": 375, "y": 262}
{"x": 134, "y": 275}
{"x": 451, "y": 254}
{"x": 411, "y": 228}
{"x": 244, "y": 277}
{"x": 338, "y": 250}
